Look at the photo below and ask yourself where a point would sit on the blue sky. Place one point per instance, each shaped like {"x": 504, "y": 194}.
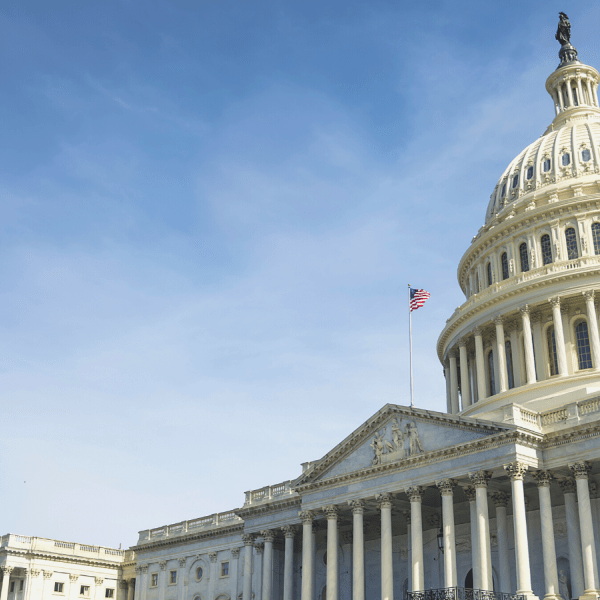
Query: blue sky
{"x": 209, "y": 215}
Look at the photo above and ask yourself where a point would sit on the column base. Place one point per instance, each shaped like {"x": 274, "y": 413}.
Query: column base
{"x": 553, "y": 597}
{"x": 529, "y": 595}
{"x": 589, "y": 595}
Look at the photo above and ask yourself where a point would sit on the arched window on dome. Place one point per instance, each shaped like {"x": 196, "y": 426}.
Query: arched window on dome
{"x": 575, "y": 98}
{"x": 489, "y": 274}
{"x": 477, "y": 283}
{"x": 552, "y": 356}
{"x": 515, "y": 181}
{"x": 504, "y": 261}
{"x": 566, "y": 159}
{"x": 504, "y": 190}
{"x": 546, "y": 165}
{"x": 546, "y": 249}
{"x": 509, "y": 365}
{"x": 586, "y": 155}
{"x": 529, "y": 173}
{"x": 596, "y": 237}
{"x": 491, "y": 379}
{"x": 524, "y": 257}
{"x": 584, "y": 355}
{"x": 571, "y": 239}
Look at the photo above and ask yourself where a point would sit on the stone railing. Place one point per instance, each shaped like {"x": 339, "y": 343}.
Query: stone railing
{"x": 59, "y": 547}
{"x": 269, "y": 493}
{"x": 521, "y": 278}
{"x": 570, "y": 414}
{"x": 184, "y": 527}
{"x": 457, "y": 593}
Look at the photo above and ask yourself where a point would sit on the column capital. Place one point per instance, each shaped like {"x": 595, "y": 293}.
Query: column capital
{"x": 415, "y": 493}
{"x": 288, "y": 531}
{"x": 145, "y": 569}
{"x": 73, "y": 578}
{"x": 498, "y": 320}
{"x": 248, "y": 539}
{"x": 470, "y": 493}
{"x": 7, "y": 570}
{"x": 358, "y": 506}
{"x": 259, "y": 548}
{"x": 555, "y": 301}
{"x": 462, "y": 343}
{"x": 477, "y": 331}
{"x": 306, "y": 516}
{"x": 542, "y": 478}
{"x": 268, "y": 535}
{"x": 524, "y": 310}
{"x": 34, "y": 572}
{"x": 98, "y": 580}
{"x": 331, "y": 512}
{"x": 589, "y": 295}
{"x": 163, "y": 565}
{"x": 384, "y": 500}
{"x": 212, "y": 556}
{"x": 122, "y": 584}
{"x": 235, "y": 552}
{"x": 581, "y": 469}
{"x": 47, "y": 574}
{"x": 500, "y": 499}
{"x": 516, "y": 470}
{"x": 480, "y": 479}
{"x": 453, "y": 353}
{"x": 446, "y": 486}
{"x": 183, "y": 560}
{"x": 567, "y": 485}
{"x": 131, "y": 582}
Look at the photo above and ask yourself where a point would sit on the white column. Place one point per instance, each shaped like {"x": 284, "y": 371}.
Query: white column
{"x": 313, "y": 541}
{"x": 235, "y": 565}
{"x": 408, "y": 521}
{"x": 448, "y": 392}
{"x": 475, "y": 562}
{"x": 387, "y": 569}
{"x": 98, "y": 581}
{"x": 6, "y": 571}
{"x": 259, "y": 549}
{"x": 516, "y": 471}
{"x": 480, "y": 361}
{"x": 267, "y": 587}
{"x": 586, "y": 525}
{"x": 446, "y": 487}
{"x": 589, "y": 91}
{"x": 480, "y": 480}
{"x": 415, "y": 495}
{"x": 501, "y": 500}
{"x": 501, "y": 354}
{"x": 560, "y": 97}
{"x": 181, "y": 577}
{"x": 30, "y": 581}
{"x": 130, "y": 588}
{"x": 358, "y": 550}
{"x": 453, "y": 382}
{"x": 138, "y": 583}
{"x": 559, "y": 336}
{"x": 569, "y": 92}
{"x": 307, "y": 551}
{"x": 567, "y": 485}
{"x": 247, "y": 581}
{"x": 580, "y": 89}
{"x": 543, "y": 479}
{"x": 162, "y": 580}
{"x": 288, "y": 562}
{"x": 528, "y": 341}
{"x": 465, "y": 384}
{"x": 593, "y": 327}
{"x": 332, "y": 551}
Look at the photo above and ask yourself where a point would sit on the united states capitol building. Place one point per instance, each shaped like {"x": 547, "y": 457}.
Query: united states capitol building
{"x": 494, "y": 498}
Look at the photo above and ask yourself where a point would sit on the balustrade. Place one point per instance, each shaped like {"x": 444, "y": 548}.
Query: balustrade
{"x": 456, "y": 593}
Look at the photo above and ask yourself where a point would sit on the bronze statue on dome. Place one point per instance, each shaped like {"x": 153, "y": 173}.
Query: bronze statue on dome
{"x": 563, "y": 33}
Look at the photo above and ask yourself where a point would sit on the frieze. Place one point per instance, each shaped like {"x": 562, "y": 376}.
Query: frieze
{"x": 403, "y": 443}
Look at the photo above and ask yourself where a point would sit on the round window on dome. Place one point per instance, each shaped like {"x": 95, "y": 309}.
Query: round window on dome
{"x": 529, "y": 172}
{"x": 586, "y": 155}
{"x": 515, "y": 182}
{"x": 566, "y": 159}
{"x": 546, "y": 166}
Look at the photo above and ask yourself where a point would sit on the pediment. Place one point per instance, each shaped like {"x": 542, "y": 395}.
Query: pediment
{"x": 397, "y": 434}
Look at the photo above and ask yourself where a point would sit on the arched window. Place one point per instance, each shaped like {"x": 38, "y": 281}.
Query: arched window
{"x": 571, "y": 239}
{"x": 509, "y": 365}
{"x": 524, "y": 257}
{"x": 529, "y": 172}
{"x": 584, "y": 354}
{"x": 504, "y": 261}
{"x": 515, "y": 181}
{"x": 586, "y": 155}
{"x": 566, "y": 159}
{"x": 596, "y": 237}
{"x": 491, "y": 379}
{"x": 489, "y": 274}
{"x": 552, "y": 357}
{"x": 546, "y": 249}
{"x": 504, "y": 190}
{"x": 546, "y": 165}
{"x": 477, "y": 283}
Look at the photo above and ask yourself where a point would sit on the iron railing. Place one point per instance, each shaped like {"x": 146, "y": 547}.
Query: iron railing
{"x": 456, "y": 593}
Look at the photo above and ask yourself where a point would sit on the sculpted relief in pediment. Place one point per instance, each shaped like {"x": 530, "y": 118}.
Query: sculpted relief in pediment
{"x": 404, "y": 442}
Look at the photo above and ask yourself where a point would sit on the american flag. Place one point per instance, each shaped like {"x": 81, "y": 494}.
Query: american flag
{"x": 417, "y": 298}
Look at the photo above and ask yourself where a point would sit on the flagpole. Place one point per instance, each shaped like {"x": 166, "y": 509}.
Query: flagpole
{"x": 410, "y": 343}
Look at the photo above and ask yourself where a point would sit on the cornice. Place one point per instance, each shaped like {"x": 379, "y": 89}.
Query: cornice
{"x": 575, "y": 434}
{"x": 518, "y": 289}
{"x": 346, "y": 446}
{"x": 518, "y": 436}
{"x": 190, "y": 537}
{"x": 38, "y": 555}
{"x": 269, "y": 507}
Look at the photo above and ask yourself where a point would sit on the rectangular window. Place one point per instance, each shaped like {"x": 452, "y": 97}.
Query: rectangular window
{"x": 154, "y": 579}
{"x": 21, "y": 585}
{"x": 225, "y": 569}
{"x": 110, "y": 593}
{"x": 59, "y": 587}
{"x": 173, "y": 577}
{"x": 84, "y": 591}
{"x": 12, "y": 587}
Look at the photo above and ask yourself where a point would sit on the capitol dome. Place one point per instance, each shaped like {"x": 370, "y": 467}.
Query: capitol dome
{"x": 524, "y": 346}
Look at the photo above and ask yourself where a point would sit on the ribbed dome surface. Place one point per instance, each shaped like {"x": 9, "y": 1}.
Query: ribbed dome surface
{"x": 571, "y": 151}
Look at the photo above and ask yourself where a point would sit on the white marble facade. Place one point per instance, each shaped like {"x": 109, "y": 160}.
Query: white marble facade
{"x": 498, "y": 493}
